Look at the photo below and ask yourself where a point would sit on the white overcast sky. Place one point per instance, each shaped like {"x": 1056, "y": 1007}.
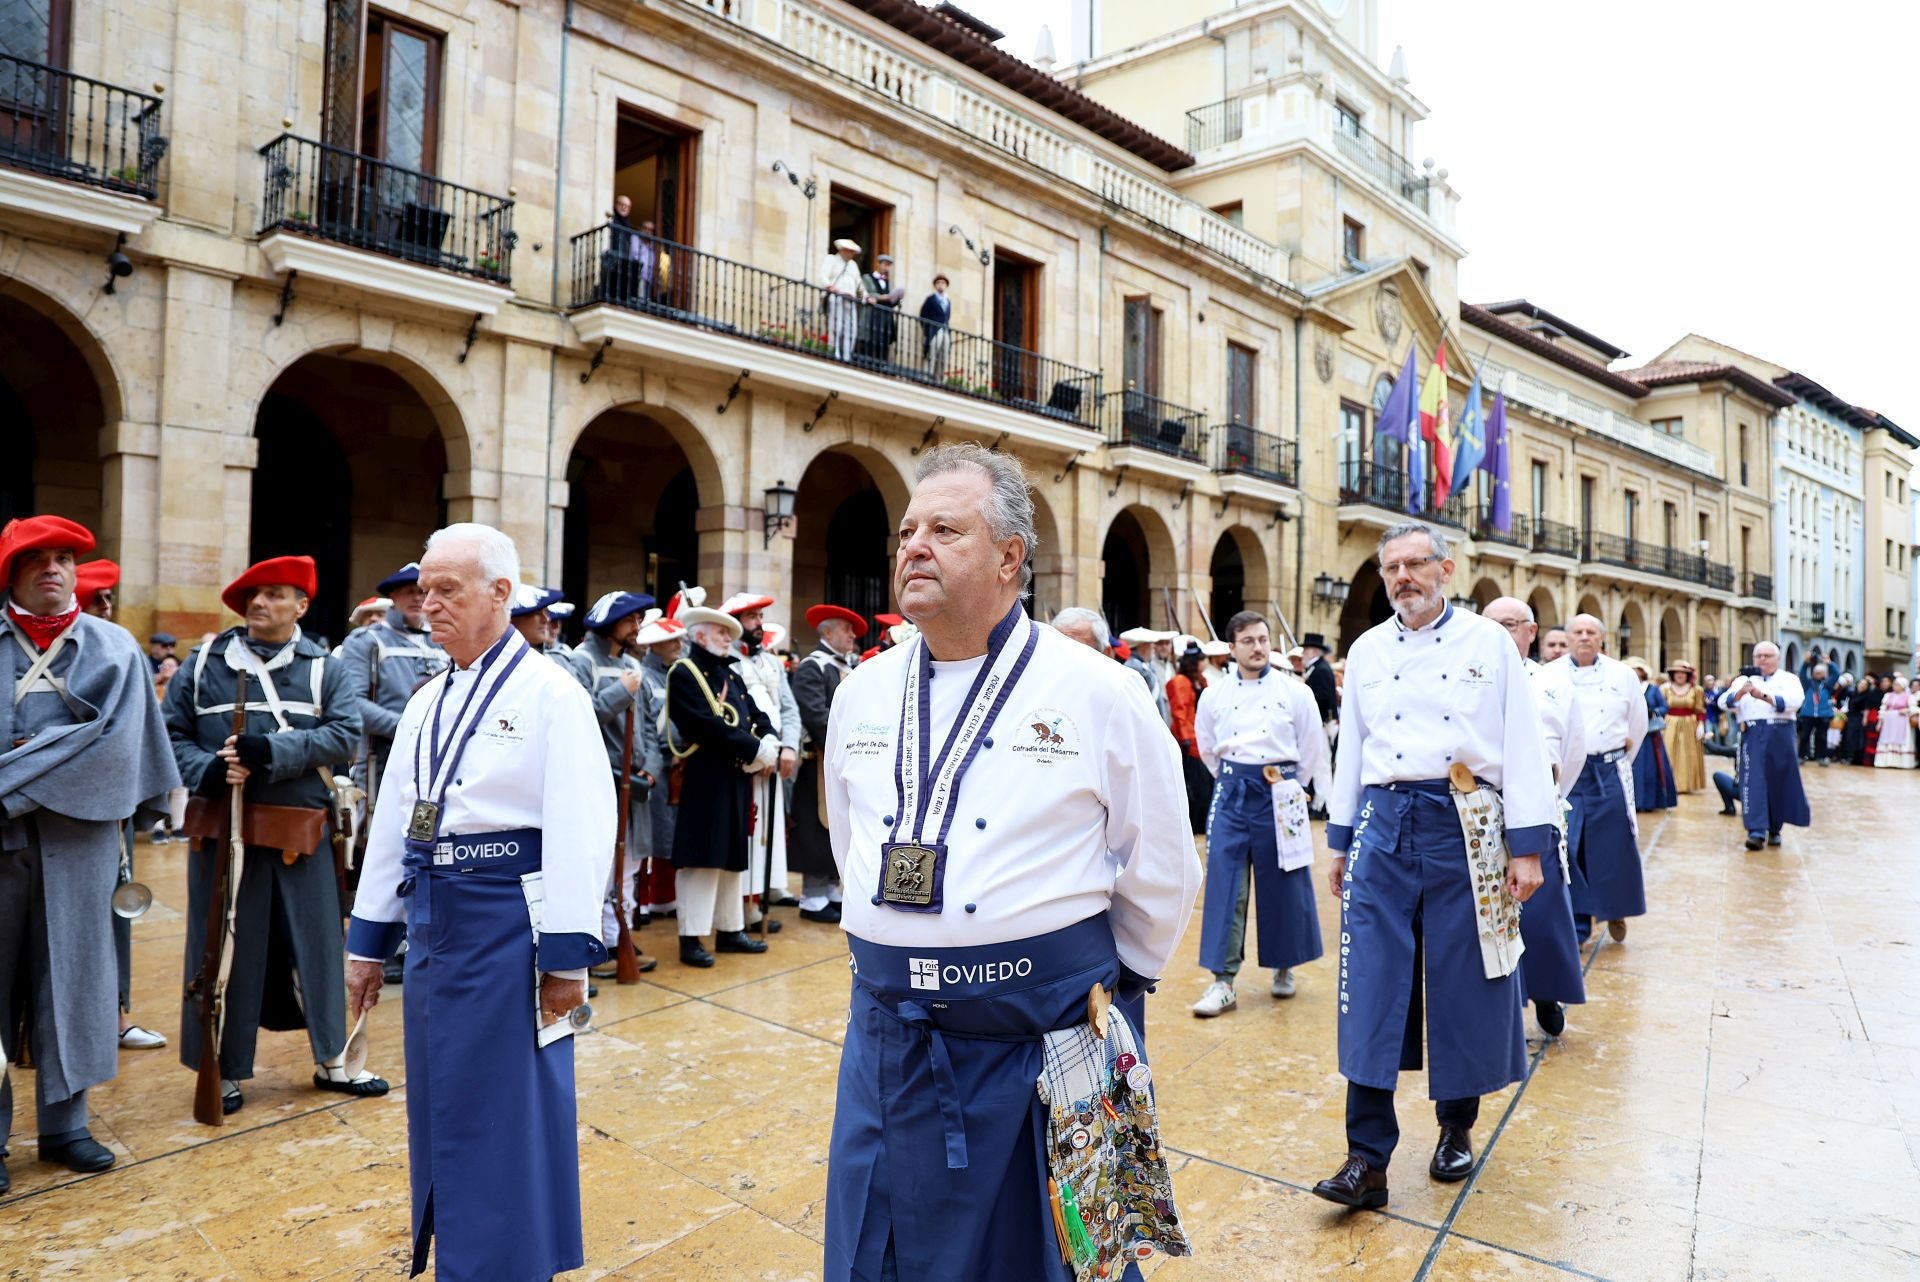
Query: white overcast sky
{"x": 1746, "y": 170}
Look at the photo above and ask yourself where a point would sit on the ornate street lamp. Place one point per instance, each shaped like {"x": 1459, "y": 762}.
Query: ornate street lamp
{"x": 778, "y": 512}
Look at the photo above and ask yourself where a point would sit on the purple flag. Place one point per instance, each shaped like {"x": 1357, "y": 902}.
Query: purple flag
{"x": 1499, "y": 465}
{"x": 1400, "y": 420}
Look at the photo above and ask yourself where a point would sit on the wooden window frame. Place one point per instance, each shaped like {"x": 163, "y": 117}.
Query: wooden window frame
{"x": 882, "y": 221}
{"x": 436, "y": 70}
{"x": 1252, "y": 357}
{"x": 686, "y": 207}
{"x": 1155, "y": 350}
{"x": 1353, "y": 239}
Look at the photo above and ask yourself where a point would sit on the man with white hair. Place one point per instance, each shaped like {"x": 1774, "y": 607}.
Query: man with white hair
{"x": 1550, "y": 967}
{"x": 724, "y": 744}
{"x": 1603, "y": 835}
{"x": 816, "y": 680}
{"x": 490, "y": 851}
{"x": 766, "y": 676}
{"x": 1001, "y": 801}
{"x": 1088, "y": 627}
{"x": 1439, "y": 737}
{"x": 1765, "y": 698}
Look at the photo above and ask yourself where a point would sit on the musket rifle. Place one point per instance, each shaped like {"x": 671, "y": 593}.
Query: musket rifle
{"x": 209, "y": 986}
{"x": 626, "y": 961}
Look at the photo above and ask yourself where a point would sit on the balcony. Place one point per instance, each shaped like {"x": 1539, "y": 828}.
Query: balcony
{"x": 1553, "y": 538}
{"x": 1638, "y": 554}
{"x": 1815, "y": 613}
{"x": 624, "y": 285}
{"x": 1240, "y": 450}
{"x": 1384, "y": 165}
{"x": 76, "y": 149}
{"x": 1215, "y": 124}
{"x": 1757, "y": 586}
{"x": 1137, "y": 419}
{"x": 1384, "y": 485}
{"x": 327, "y": 212}
{"x": 1515, "y": 535}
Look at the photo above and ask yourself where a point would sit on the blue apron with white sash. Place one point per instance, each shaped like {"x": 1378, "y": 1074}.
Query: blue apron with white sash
{"x": 1240, "y": 828}
{"x": 1771, "y": 793}
{"x": 1550, "y": 966}
{"x": 1408, "y": 910}
{"x": 1603, "y": 845}
{"x": 938, "y": 1128}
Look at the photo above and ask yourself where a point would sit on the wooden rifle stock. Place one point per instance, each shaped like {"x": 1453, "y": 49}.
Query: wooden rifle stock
{"x": 626, "y": 961}
{"x": 209, "y": 984}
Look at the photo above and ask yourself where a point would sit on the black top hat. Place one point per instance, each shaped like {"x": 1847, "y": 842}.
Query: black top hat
{"x": 1313, "y": 639}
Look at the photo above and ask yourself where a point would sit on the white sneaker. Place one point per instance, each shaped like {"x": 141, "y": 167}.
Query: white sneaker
{"x": 137, "y": 1038}
{"x": 1217, "y": 1000}
{"x": 1283, "y": 983}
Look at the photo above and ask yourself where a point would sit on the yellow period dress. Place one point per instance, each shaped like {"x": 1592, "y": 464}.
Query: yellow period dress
{"x": 1685, "y": 707}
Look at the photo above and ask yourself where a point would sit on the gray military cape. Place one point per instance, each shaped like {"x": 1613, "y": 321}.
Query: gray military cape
{"x": 69, "y": 788}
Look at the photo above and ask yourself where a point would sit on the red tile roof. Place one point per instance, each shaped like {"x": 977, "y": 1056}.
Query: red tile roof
{"x": 1667, "y": 373}
{"x": 1481, "y": 318}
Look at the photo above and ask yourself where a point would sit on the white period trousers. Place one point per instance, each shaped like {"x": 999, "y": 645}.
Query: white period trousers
{"x": 843, "y": 324}
{"x": 710, "y": 900}
{"x": 636, "y": 878}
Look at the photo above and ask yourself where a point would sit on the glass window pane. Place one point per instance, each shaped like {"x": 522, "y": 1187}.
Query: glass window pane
{"x": 26, "y": 28}
{"x": 408, "y": 61}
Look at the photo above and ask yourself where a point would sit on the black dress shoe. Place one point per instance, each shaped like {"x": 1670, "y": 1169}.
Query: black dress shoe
{"x": 1755, "y": 841}
{"x": 85, "y": 1155}
{"x": 1773, "y": 838}
{"x": 1728, "y": 810}
{"x": 738, "y": 941}
{"x": 1452, "y": 1156}
{"x": 786, "y": 901}
{"x": 693, "y": 953}
{"x": 829, "y": 915}
{"x": 6, "y": 1180}
{"x": 1355, "y": 1184}
{"x": 231, "y": 1100}
{"x": 1552, "y": 1017}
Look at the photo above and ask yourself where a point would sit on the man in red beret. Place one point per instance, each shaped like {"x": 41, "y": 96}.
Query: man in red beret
{"x": 93, "y": 585}
{"x": 81, "y": 748}
{"x": 816, "y": 679}
{"x": 287, "y": 967}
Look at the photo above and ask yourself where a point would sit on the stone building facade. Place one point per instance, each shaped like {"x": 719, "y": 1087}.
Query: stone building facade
{"x": 334, "y": 346}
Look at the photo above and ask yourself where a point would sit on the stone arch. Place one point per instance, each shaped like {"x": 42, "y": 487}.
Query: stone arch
{"x": 1672, "y": 639}
{"x": 1546, "y": 610}
{"x": 1485, "y": 592}
{"x": 703, "y": 442}
{"x": 59, "y": 395}
{"x": 848, "y": 504}
{"x": 1590, "y": 604}
{"x": 1366, "y": 604}
{"x": 1249, "y": 582}
{"x": 1640, "y": 639}
{"x": 95, "y": 349}
{"x": 1791, "y": 660}
{"x": 1139, "y": 570}
{"x": 1051, "y": 559}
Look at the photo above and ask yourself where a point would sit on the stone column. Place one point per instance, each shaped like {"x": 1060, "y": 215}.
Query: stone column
{"x": 205, "y": 457}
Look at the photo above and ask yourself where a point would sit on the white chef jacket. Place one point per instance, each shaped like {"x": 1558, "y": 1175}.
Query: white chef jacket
{"x": 1784, "y": 694}
{"x": 537, "y": 762}
{"x": 1560, "y": 722}
{"x": 1418, "y": 700}
{"x": 1272, "y": 719}
{"x": 1613, "y": 708}
{"x": 1045, "y": 834}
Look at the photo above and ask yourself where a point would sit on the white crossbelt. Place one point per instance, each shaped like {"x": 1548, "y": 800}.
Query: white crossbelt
{"x": 37, "y": 679}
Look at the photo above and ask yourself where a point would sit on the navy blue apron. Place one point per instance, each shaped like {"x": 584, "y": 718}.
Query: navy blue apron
{"x": 1601, "y": 845}
{"x": 938, "y": 1127}
{"x": 490, "y": 1116}
{"x": 1653, "y": 775}
{"x": 1408, "y": 911}
{"x": 1550, "y": 966}
{"x": 1770, "y": 790}
{"x": 1240, "y": 828}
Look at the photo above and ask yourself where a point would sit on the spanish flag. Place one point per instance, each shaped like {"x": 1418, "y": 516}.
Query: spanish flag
{"x": 1435, "y": 411}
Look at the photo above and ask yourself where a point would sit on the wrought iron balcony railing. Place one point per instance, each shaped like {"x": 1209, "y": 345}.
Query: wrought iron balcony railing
{"x": 1638, "y": 554}
{"x": 1366, "y": 481}
{"x": 1214, "y": 125}
{"x": 1239, "y": 448}
{"x": 68, "y": 126}
{"x": 1758, "y": 586}
{"x": 1135, "y": 418}
{"x": 1484, "y": 528}
{"x": 1552, "y": 538}
{"x": 1720, "y": 576}
{"x": 617, "y": 266}
{"x": 1385, "y": 165}
{"x": 316, "y": 190}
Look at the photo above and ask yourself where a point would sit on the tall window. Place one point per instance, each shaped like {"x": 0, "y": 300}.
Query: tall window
{"x": 36, "y": 30}
{"x": 1353, "y": 240}
{"x": 1746, "y": 542}
{"x": 1705, "y": 531}
{"x": 1630, "y": 505}
{"x": 1587, "y": 486}
{"x": 400, "y": 94}
{"x": 1016, "y": 322}
{"x": 1743, "y": 454}
{"x": 1670, "y": 523}
{"x": 1346, "y": 119}
{"x": 1389, "y": 452}
{"x": 653, "y": 163}
{"x": 1537, "y": 489}
{"x": 1350, "y": 442}
{"x": 865, "y": 221}
{"x": 1241, "y": 364}
{"x": 1140, "y": 347}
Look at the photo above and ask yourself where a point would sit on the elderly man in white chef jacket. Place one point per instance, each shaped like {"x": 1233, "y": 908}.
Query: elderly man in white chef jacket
{"x": 1603, "y": 834}
{"x": 1262, "y": 738}
{"x": 1550, "y": 968}
{"x": 1766, "y": 699}
{"x": 490, "y": 852}
{"x": 1439, "y": 723}
{"x": 1004, "y": 806}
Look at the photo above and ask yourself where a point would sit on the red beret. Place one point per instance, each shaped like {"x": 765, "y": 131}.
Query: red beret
{"x": 93, "y": 577}
{"x": 1122, "y": 651}
{"x": 819, "y": 614}
{"x": 35, "y": 533}
{"x": 295, "y": 571}
{"x": 888, "y": 620}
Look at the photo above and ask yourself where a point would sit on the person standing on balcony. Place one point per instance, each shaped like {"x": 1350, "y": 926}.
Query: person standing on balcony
{"x": 881, "y": 323}
{"x": 936, "y": 334}
{"x": 846, "y": 291}
{"x": 1603, "y": 837}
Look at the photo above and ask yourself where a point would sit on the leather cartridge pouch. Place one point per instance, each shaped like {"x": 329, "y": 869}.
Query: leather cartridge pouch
{"x": 292, "y": 829}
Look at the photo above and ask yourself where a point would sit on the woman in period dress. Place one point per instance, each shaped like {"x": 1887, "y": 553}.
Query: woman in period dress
{"x": 1895, "y": 750}
{"x": 1686, "y": 727}
{"x": 1183, "y": 694}
{"x": 1861, "y": 703}
{"x": 1881, "y": 690}
{"x": 1652, "y": 771}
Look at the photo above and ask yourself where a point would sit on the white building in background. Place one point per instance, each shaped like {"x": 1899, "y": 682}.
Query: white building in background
{"x": 1819, "y": 526}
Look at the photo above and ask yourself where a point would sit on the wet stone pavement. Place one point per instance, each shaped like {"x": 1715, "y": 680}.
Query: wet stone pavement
{"x": 1739, "y": 1100}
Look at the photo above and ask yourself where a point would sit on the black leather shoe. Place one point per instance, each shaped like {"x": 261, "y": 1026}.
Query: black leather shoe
{"x": 830, "y": 915}
{"x": 1355, "y": 1184}
{"x": 85, "y": 1155}
{"x": 786, "y": 901}
{"x": 231, "y": 1100}
{"x": 738, "y": 941}
{"x": 693, "y": 953}
{"x": 1755, "y": 841}
{"x": 6, "y": 1180}
{"x": 1773, "y": 838}
{"x": 1728, "y": 810}
{"x": 1452, "y": 1156}
{"x": 1552, "y": 1017}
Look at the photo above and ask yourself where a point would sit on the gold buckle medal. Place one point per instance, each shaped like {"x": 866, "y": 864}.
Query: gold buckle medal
{"x": 912, "y": 874}
{"x": 422, "y": 824}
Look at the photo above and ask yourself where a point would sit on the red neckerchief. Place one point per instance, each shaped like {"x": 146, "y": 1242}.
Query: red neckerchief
{"x": 41, "y": 629}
